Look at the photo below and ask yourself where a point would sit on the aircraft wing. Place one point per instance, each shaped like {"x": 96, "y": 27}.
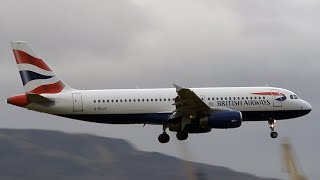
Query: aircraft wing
{"x": 188, "y": 104}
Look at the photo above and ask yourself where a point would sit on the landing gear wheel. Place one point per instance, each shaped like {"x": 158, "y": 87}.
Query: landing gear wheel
{"x": 272, "y": 126}
{"x": 182, "y": 135}
{"x": 164, "y": 138}
{"x": 274, "y": 134}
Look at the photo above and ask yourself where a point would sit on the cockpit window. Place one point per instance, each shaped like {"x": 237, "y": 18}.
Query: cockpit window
{"x": 294, "y": 97}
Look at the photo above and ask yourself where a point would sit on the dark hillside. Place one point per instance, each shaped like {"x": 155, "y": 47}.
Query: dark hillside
{"x": 39, "y": 154}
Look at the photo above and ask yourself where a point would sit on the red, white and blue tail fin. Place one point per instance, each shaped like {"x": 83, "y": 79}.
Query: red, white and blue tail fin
{"x": 36, "y": 75}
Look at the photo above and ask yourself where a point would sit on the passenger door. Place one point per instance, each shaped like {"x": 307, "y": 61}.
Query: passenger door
{"x": 77, "y": 102}
{"x": 277, "y": 101}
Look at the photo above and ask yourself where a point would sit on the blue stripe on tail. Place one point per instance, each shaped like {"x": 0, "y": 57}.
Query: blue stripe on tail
{"x": 27, "y": 76}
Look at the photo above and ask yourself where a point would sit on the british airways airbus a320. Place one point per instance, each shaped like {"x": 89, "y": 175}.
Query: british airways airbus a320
{"x": 183, "y": 110}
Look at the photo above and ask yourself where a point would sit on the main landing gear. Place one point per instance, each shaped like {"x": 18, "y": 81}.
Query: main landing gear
{"x": 272, "y": 125}
{"x": 164, "y": 137}
{"x": 182, "y": 135}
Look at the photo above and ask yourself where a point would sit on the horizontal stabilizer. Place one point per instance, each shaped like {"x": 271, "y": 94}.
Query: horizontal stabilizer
{"x": 37, "y": 98}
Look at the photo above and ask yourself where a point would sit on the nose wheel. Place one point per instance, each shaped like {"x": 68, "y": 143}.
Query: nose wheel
{"x": 272, "y": 126}
{"x": 164, "y": 137}
{"x": 274, "y": 134}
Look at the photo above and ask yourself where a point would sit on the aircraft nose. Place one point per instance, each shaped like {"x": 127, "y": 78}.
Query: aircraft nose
{"x": 306, "y": 106}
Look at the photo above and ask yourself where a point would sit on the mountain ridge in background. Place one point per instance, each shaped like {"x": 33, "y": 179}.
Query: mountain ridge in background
{"x": 44, "y": 154}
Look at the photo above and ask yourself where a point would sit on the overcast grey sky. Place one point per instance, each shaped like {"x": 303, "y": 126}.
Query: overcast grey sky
{"x": 194, "y": 43}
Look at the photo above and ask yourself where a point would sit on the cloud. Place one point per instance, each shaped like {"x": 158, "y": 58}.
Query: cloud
{"x": 61, "y": 27}
{"x": 123, "y": 43}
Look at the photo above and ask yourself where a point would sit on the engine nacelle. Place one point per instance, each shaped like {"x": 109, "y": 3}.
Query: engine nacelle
{"x": 223, "y": 120}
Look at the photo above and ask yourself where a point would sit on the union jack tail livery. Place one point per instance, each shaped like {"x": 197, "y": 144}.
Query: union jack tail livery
{"x": 36, "y": 75}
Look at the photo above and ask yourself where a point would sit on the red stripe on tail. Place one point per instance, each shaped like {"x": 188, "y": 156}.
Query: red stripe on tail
{"x": 50, "y": 88}
{"x": 23, "y": 57}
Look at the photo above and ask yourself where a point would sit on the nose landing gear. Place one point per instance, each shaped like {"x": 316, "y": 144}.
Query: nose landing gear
{"x": 272, "y": 125}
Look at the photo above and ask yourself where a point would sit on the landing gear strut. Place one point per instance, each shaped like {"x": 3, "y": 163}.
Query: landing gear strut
{"x": 164, "y": 137}
{"x": 272, "y": 125}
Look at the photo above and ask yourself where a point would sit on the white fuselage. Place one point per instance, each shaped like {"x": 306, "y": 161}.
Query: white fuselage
{"x": 160, "y": 101}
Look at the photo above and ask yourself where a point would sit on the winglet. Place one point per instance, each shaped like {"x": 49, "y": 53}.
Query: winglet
{"x": 178, "y": 88}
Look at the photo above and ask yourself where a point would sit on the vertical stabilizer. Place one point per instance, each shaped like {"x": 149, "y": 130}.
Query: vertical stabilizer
{"x": 36, "y": 75}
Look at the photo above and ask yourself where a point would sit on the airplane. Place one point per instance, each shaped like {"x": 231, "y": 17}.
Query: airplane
{"x": 179, "y": 109}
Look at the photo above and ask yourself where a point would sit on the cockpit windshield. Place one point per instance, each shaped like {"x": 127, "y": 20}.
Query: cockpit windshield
{"x": 294, "y": 96}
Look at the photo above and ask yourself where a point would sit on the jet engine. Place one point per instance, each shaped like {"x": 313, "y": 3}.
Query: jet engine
{"x": 222, "y": 120}
{"x": 216, "y": 120}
